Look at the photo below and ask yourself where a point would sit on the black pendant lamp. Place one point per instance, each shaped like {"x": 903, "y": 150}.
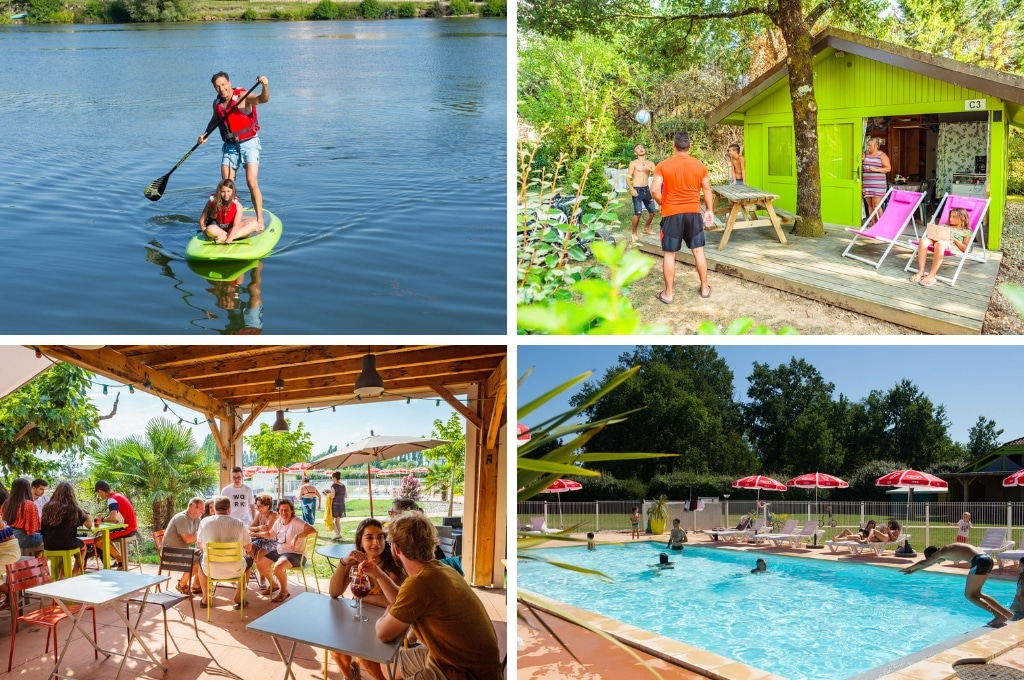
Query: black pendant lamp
{"x": 280, "y": 425}
{"x": 369, "y": 383}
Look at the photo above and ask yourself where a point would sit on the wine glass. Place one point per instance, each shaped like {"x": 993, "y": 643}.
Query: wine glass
{"x": 359, "y": 583}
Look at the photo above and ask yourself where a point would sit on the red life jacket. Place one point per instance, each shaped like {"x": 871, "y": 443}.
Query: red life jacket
{"x": 225, "y": 217}
{"x": 237, "y": 127}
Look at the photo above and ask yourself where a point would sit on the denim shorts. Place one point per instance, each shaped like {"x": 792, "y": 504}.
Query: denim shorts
{"x": 241, "y": 154}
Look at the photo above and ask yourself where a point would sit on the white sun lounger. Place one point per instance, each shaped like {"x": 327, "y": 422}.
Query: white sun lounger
{"x": 740, "y": 534}
{"x": 880, "y": 546}
{"x": 807, "y": 533}
{"x": 787, "y": 529}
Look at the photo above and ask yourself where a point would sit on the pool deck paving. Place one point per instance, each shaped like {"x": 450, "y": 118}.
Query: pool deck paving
{"x": 542, "y": 657}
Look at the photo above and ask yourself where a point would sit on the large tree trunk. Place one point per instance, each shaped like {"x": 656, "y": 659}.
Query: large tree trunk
{"x": 796, "y": 30}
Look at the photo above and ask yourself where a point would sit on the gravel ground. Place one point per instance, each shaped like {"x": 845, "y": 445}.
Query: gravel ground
{"x": 1001, "y": 318}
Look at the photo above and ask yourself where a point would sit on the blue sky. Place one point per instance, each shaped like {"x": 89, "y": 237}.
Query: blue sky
{"x": 969, "y": 379}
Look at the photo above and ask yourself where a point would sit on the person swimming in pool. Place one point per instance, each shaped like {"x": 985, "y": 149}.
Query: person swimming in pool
{"x": 981, "y": 565}
{"x": 760, "y": 568}
{"x": 677, "y": 537}
{"x": 663, "y": 562}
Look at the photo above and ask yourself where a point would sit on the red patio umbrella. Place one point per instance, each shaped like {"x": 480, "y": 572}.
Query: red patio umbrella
{"x": 420, "y": 471}
{"x": 759, "y": 482}
{"x": 299, "y": 467}
{"x": 1016, "y": 479}
{"x": 911, "y": 479}
{"x": 817, "y": 480}
{"x": 523, "y": 433}
{"x": 559, "y": 486}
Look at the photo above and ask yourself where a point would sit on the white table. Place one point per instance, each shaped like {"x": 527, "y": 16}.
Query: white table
{"x": 104, "y": 587}
{"x": 320, "y": 621}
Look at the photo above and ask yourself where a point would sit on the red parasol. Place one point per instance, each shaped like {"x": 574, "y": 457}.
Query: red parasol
{"x": 817, "y": 480}
{"x": 559, "y": 486}
{"x": 420, "y": 471}
{"x": 911, "y": 479}
{"x": 1016, "y": 479}
{"x": 759, "y": 482}
{"x": 523, "y": 432}
{"x": 299, "y": 467}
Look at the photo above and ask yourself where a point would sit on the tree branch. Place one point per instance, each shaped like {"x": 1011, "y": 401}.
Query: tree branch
{"x": 816, "y": 13}
{"x": 697, "y": 17}
{"x": 113, "y": 411}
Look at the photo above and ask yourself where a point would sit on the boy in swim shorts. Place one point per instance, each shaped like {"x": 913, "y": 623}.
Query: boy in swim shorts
{"x": 981, "y": 565}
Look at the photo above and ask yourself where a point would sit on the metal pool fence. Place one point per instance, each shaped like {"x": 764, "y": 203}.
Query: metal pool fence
{"x": 928, "y": 523}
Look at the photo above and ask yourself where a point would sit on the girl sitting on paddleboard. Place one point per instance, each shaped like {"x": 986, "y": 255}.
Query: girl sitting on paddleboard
{"x": 222, "y": 220}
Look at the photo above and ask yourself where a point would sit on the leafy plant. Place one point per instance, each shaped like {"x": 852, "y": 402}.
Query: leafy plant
{"x": 371, "y": 9}
{"x": 494, "y": 8}
{"x": 406, "y": 10}
{"x": 1015, "y": 294}
{"x": 249, "y": 14}
{"x": 659, "y": 508}
{"x": 324, "y": 10}
{"x": 460, "y": 7}
{"x": 743, "y": 326}
{"x": 280, "y": 449}
{"x": 538, "y": 465}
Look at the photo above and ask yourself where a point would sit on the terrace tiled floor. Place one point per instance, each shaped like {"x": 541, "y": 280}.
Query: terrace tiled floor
{"x": 224, "y": 650}
{"x": 541, "y": 657}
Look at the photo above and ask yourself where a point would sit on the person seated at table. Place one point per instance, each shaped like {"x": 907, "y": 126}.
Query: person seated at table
{"x": 61, "y": 518}
{"x": 119, "y": 511}
{"x": 182, "y": 532}
{"x": 291, "y": 533}
{"x": 446, "y": 615}
{"x": 221, "y": 527}
{"x": 371, "y": 546}
{"x": 261, "y": 525}
{"x": 22, "y": 515}
{"x": 862, "y": 535}
{"x": 400, "y": 505}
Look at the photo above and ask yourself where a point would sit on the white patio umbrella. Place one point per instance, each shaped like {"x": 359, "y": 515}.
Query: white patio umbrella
{"x": 375, "y": 449}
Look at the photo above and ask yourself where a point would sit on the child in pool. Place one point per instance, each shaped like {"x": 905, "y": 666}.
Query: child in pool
{"x": 663, "y": 562}
{"x": 760, "y": 568}
{"x": 222, "y": 220}
{"x": 590, "y": 541}
{"x": 677, "y": 537}
{"x": 959, "y": 223}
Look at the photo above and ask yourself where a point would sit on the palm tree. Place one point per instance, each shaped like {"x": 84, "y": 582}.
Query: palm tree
{"x": 165, "y": 467}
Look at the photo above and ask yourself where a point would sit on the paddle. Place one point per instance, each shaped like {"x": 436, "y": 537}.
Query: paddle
{"x": 156, "y": 188}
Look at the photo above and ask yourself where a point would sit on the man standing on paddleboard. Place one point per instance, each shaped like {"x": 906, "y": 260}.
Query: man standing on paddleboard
{"x": 239, "y": 132}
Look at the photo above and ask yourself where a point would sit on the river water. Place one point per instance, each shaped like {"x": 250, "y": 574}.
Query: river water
{"x": 383, "y": 153}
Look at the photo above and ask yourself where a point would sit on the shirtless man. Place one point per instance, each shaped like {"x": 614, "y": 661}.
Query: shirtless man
{"x": 981, "y": 565}
{"x": 239, "y": 133}
{"x": 737, "y": 165}
{"x": 638, "y": 175}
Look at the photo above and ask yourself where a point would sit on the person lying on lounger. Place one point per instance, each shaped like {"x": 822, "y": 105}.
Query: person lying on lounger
{"x": 890, "y": 533}
{"x": 953, "y": 238}
{"x": 862, "y": 535}
{"x": 981, "y": 565}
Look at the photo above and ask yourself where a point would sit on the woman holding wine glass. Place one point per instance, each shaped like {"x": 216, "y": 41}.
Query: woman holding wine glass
{"x": 371, "y": 546}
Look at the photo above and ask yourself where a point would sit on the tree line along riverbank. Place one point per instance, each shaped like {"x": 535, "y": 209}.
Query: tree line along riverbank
{"x": 141, "y": 11}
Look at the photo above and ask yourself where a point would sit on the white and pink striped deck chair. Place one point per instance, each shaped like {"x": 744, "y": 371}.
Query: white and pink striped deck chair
{"x": 897, "y": 214}
{"x": 976, "y": 209}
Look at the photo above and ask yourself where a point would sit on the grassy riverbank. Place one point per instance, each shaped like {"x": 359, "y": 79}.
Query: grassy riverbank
{"x": 129, "y": 11}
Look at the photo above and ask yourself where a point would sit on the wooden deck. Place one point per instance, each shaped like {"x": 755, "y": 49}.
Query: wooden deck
{"x": 816, "y": 269}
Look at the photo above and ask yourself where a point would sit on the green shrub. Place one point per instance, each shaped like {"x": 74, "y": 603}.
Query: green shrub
{"x": 324, "y": 10}
{"x": 348, "y": 10}
{"x": 117, "y": 13}
{"x": 371, "y": 9}
{"x": 249, "y": 14}
{"x": 435, "y": 10}
{"x": 406, "y": 10}
{"x": 460, "y": 7}
{"x": 494, "y": 8}
{"x": 42, "y": 11}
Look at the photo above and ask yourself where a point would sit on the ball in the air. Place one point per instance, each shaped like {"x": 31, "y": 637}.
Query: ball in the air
{"x": 643, "y": 116}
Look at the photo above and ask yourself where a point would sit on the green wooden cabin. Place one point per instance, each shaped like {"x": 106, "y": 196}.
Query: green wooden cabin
{"x": 938, "y": 119}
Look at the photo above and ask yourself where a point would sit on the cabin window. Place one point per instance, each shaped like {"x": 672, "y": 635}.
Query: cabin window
{"x": 780, "y": 151}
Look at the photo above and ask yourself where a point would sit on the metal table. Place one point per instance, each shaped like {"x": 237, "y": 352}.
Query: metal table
{"x": 105, "y": 587}
{"x": 321, "y": 621}
{"x": 337, "y": 551}
{"x": 746, "y": 199}
{"x": 105, "y": 529}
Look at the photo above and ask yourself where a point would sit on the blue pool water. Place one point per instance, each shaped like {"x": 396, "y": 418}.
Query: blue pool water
{"x": 804, "y": 619}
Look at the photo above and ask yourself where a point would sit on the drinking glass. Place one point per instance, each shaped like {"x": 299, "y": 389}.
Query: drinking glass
{"x": 359, "y": 583}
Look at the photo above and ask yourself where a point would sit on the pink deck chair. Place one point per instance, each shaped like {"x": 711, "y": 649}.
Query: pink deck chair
{"x": 898, "y": 213}
{"x": 976, "y": 209}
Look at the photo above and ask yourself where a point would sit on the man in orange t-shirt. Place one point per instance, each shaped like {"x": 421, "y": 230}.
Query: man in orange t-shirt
{"x": 678, "y": 181}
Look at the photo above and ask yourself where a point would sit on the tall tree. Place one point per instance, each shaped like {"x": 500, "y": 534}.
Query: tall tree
{"x": 162, "y": 467}
{"x": 447, "y": 463}
{"x": 685, "y": 393}
{"x": 280, "y": 449}
{"x": 903, "y": 424}
{"x": 794, "y": 19}
{"x": 51, "y": 413}
{"x": 787, "y": 416}
{"x": 982, "y": 438}
{"x": 985, "y": 33}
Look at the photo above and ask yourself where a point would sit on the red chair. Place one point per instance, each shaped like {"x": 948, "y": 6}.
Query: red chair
{"x": 25, "y": 574}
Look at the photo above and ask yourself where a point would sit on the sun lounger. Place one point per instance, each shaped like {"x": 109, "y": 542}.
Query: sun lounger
{"x": 787, "y": 529}
{"x": 889, "y": 227}
{"x": 994, "y": 543}
{"x": 976, "y": 209}
{"x": 537, "y": 524}
{"x": 834, "y": 546}
{"x": 879, "y": 547}
{"x": 1010, "y": 557}
{"x": 740, "y": 534}
{"x": 807, "y": 533}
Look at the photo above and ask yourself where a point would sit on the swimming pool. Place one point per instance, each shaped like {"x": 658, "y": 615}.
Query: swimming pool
{"x": 805, "y": 619}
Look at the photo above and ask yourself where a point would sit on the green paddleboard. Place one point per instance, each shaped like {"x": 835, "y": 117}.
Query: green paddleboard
{"x": 222, "y": 270}
{"x": 252, "y": 247}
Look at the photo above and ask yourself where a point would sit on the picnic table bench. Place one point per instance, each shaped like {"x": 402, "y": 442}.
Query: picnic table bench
{"x": 747, "y": 200}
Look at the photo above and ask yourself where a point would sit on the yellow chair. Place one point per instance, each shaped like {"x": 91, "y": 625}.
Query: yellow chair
{"x": 65, "y": 559}
{"x": 307, "y": 558}
{"x": 230, "y": 553}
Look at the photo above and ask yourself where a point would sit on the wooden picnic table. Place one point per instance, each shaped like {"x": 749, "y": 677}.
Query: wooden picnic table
{"x": 747, "y": 199}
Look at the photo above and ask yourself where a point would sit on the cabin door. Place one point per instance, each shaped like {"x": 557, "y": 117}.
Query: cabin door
{"x": 839, "y": 153}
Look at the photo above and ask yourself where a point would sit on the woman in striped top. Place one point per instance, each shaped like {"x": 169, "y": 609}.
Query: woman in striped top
{"x": 875, "y": 165}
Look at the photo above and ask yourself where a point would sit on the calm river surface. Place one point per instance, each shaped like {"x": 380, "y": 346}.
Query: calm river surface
{"x": 383, "y": 155}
